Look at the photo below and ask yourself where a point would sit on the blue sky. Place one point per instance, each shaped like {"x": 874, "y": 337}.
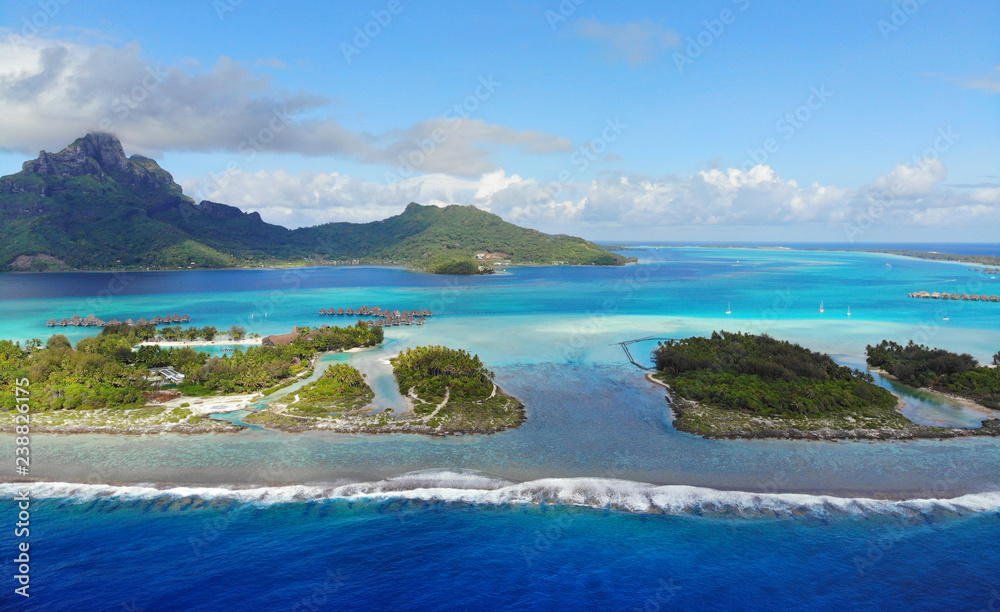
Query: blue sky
{"x": 725, "y": 120}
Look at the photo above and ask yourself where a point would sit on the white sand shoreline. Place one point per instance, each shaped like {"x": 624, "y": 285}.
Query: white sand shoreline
{"x": 183, "y": 343}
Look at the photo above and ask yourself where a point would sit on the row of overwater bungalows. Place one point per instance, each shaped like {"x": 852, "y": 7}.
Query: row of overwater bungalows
{"x": 92, "y": 321}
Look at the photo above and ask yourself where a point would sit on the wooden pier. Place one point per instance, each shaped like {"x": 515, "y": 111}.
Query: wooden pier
{"x": 629, "y": 355}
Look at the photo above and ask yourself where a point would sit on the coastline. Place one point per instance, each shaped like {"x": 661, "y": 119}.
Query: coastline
{"x": 366, "y": 421}
{"x": 186, "y": 343}
{"x": 717, "y": 424}
{"x": 964, "y": 401}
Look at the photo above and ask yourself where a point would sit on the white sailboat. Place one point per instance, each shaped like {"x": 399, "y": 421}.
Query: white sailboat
{"x": 729, "y": 309}
{"x": 821, "y": 309}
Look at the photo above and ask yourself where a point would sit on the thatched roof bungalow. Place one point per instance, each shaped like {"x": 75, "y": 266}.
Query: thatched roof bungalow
{"x": 142, "y": 322}
{"x": 114, "y": 322}
{"x": 63, "y": 322}
{"x": 129, "y": 322}
{"x": 51, "y": 323}
{"x": 282, "y": 339}
{"x": 75, "y": 320}
{"x": 185, "y": 319}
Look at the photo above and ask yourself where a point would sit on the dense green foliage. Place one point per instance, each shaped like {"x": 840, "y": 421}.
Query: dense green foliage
{"x": 78, "y": 212}
{"x": 920, "y": 366}
{"x": 341, "y": 387}
{"x": 460, "y": 266}
{"x": 104, "y": 371}
{"x": 430, "y": 370}
{"x": 764, "y": 376}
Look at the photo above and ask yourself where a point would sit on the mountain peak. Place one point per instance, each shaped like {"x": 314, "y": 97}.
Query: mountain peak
{"x": 98, "y": 154}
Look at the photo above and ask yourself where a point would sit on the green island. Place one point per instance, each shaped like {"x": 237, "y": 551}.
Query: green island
{"x": 734, "y": 385}
{"x": 108, "y": 383}
{"x": 938, "y": 370}
{"x": 448, "y": 391}
{"x": 89, "y": 207}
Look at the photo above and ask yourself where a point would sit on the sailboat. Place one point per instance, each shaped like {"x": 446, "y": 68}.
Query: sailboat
{"x": 848, "y": 311}
{"x": 821, "y": 309}
{"x": 729, "y": 309}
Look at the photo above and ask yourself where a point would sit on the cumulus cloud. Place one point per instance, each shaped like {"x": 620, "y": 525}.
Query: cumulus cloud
{"x": 915, "y": 179}
{"x": 637, "y": 42}
{"x": 51, "y": 92}
{"x": 714, "y": 198}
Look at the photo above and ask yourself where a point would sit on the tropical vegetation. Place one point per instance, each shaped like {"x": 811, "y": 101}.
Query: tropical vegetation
{"x": 763, "y": 376}
{"x": 939, "y": 370}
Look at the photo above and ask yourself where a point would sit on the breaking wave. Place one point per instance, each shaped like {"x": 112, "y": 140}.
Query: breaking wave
{"x": 480, "y": 489}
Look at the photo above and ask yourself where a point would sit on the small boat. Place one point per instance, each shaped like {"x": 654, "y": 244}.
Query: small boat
{"x": 848, "y": 311}
{"x": 946, "y": 319}
{"x": 821, "y": 309}
{"x": 729, "y": 309}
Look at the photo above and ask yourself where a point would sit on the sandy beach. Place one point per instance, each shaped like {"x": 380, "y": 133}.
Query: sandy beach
{"x": 212, "y": 404}
{"x": 183, "y": 343}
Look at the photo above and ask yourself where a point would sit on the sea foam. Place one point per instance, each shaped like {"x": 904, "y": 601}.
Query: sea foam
{"x": 482, "y": 489}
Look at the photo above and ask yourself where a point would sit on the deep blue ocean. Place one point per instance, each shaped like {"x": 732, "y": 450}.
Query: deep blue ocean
{"x": 596, "y": 503}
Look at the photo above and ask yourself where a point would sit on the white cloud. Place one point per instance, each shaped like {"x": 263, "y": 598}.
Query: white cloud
{"x": 52, "y": 92}
{"x": 637, "y": 42}
{"x": 915, "y": 179}
{"x": 720, "y": 199}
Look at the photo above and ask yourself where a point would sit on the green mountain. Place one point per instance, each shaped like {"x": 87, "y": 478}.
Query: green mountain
{"x": 89, "y": 207}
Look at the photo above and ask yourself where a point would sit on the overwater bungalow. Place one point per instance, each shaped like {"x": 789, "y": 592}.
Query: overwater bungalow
{"x": 75, "y": 320}
{"x": 936, "y": 295}
{"x": 322, "y": 311}
{"x": 185, "y": 319}
{"x": 114, "y": 322}
{"x": 63, "y": 322}
{"x": 51, "y": 323}
{"x": 129, "y": 322}
{"x": 156, "y": 321}
{"x": 176, "y": 318}
{"x": 142, "y": 322}
{"x": 350, "y": 311}
{"x": 99, "y": 323}
{"x": 340, "y": 311}
{"x": 421, "y": 321}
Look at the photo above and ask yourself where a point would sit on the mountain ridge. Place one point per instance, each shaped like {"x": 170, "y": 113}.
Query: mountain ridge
{"x": 90, "y": 207}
